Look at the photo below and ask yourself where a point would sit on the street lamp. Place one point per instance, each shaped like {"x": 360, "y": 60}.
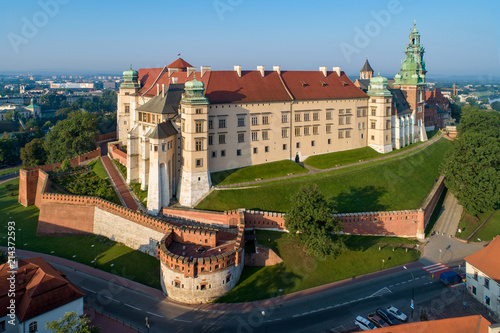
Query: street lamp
{"x": 440, "y": 253}
{"x": 412, "y": 291}
{"x": 147, "y": 323}
{"x": 95, "y": 255}
{"x": 383, "y": 261}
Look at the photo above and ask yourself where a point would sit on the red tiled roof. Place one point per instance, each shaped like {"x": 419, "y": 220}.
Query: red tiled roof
{"x": 313, "y": 85}
{"x": 39, "y": 288}
{"x": 487, "y": 259}
{"x": 469, "y": 324}
{"x": 179, "y": 63}
{"x": 227, "y": 87}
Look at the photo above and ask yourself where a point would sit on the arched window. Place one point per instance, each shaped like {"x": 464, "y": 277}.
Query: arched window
{"x": 33, "y": 327}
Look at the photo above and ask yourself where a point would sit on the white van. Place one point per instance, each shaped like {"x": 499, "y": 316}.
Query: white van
{"x": 364, "y": 324}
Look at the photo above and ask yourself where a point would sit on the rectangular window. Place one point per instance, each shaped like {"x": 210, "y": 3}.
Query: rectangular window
{"x": 199, "y": 144}
{"x": 284, "y": 132}
{"x": 255, "y": 136}
{"x": 328, "y": 115}
{"x": 163, "y": 147}
{"x": 374, "y": 111}
{"x": 241, "y": 137}
{"x": 316, "y": 116}
{"x": 127, "y": 108}
{"x": 348, "y": 120}
{"x": 199, "y": 126}
{"x": 359, "y": 112}
{"x": 307, "y": 130}
{"x": 487, "y": 283}
{"x": 199, "y": 162}
{"x": 222, "y": 139}
{"x": 297, "y": 131}
{"x": 214, "y": 154}
{"x": 316, "y": 130}
{"x": 328, "y": 128}
{"x": 372, "y": 137}
{"x": 210, "y": 123}
{"x": 297, "y": 117}
{"x": 265, "y": 135}
{"x": 341, "y": 120}
{"x": 284, "y": 146}
{"x": 306, "y": 117}
{"x": 210, "y": 140}
{"x": 365, "y": 112}
{"x": 388, "y": 124}
{"x": 238, "y": 152}
{"x": 388, "y": 111}
{"x": 359, "y": 126}
{"x": 348, "y": 111}
{"x": 329, "y": 141}
{"x": 265, "y": 120}
{"x": 341, "y": 111}
{"x": 313, "y": 143}
{"x": 222, "y": 122}
{"x": 487, "y": 300}
{"x": 474, "y": 290}
{"x": 183, "y": 125}
{"x": 199, "y": 111}
{"x": 341, "y": 134}
{"x": 297, "y": 145}
{"x": 255, "y": 150}
{"x": 475, "y": 275}
{"x": 255, "y": 120}
{"x": 222, "y": 153}
{"x": 373, "y": 124}
{"x": 266, "y": 149}
{"x": 284, "y": 118}
{"x": 348, "y": 134}
{"x": 241, "y": 121}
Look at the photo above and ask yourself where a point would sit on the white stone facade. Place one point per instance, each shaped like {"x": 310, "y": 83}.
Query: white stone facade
{"x": 485, "y": 289}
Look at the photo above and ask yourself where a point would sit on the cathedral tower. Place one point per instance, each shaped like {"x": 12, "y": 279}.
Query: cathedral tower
{"x": 366, "y": 72}
{"x": 411, "y": 80}
{"x": 195, "y": 179}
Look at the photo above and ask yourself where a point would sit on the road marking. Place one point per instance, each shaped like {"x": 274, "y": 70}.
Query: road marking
{"x": 268, "y": 321}
{"x": 417, "y": 278}
{"x": 88, "y": 290}
{"x": 131, "y": 306}
{"x": 154, "y": 314}
{"x": 111, "y": 299}
{"x": 184, "y": 321}
{"x": 391, "y": 285}
{"x": 403, "y": 282}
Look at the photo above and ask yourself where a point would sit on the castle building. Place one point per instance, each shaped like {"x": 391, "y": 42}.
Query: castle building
{"x": 180, "y": 124}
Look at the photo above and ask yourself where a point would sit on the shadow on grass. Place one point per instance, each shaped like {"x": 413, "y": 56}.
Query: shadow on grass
{"x": 218, "y": 177}
{"x": 359, "y": 199}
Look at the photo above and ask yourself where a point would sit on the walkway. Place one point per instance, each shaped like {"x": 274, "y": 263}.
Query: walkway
{"x": 449, "y": 217}
{"x": 312, "y": 171}
{"x": 123, "y": 191}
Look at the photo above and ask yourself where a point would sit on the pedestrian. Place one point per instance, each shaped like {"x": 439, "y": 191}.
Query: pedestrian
{"x": 465, "y": 304}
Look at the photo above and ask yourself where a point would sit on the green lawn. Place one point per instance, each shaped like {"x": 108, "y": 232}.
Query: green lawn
{"x": 141, "y": 195}
{"x": 121, "y": 168}
{"x": 468, "y": 224}
{"x": 402, "y": 183}
{"x": 301, "y": 271}
{"x": 250, "y": 173}
{"x": 4, "y": 172}
{"x": 111, "y": 256}
{"x": 489, "y": 231}
{"x": 325, "y": 161}
{"x": 98, "y": 169}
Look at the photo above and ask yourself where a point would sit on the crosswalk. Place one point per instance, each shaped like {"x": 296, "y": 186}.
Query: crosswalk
{"x": 436, "y": 269}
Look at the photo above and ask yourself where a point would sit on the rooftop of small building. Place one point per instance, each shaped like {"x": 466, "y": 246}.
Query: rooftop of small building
{"x": 226, "y": 242}
{"x": 469, "y": 324}
{"x": 487, "y": 259}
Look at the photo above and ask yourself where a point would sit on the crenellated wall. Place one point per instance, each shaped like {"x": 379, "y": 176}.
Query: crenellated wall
{"x": 105, "y": 137}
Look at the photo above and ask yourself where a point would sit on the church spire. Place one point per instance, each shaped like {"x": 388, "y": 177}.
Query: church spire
{"x": 413, "y": 66}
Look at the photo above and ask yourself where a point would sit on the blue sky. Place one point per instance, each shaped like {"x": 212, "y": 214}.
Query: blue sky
{"x": 460, "y": 37}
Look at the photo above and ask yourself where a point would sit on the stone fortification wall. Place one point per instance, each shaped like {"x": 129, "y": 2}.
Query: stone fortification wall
{"x": 117, "y": 154}
{"x": 105, "y": 137}
{"x": 201, "y": 280}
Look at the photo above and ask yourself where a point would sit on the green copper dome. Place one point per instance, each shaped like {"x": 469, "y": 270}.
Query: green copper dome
{"x": 130, "y": 79}
{"x": 194, "y": 92}
{"x": 194, "y": 84}
{"x": 378, "y": 86}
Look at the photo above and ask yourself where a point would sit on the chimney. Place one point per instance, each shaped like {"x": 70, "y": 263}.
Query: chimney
{"x": 174, "y": 79}
{"x": 337, "y": 70}
{"x": 237, "y": 69}
{"x": 261, "y": 70}
{"x": 205, "y": 69}
{"x": 170, "y": 71}
{"x": 323, "y": 70}
{"x": 157, "y": 89}
{"x": 277, "y": 69}
{"x": 191, "y": 70}
{"x": 163, "y": 91}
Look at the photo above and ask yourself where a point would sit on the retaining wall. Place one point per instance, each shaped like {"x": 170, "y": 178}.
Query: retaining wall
{"x": 117, "y": 154}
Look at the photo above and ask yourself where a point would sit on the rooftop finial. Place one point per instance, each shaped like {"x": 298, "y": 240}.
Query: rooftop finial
{"x": 130, "y": 66}
{"x": 379, "y": 72}
{"x": 414, "y": 23}
{"x": 194, "y": 77}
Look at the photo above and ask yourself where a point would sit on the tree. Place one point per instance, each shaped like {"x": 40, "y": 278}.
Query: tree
{"x": 34, "y": 153}
{"x": 71, "y": 323}
{"x": 495, "y": 106}
{"x": 7, "y": 150}
{"x": 471, "y": 100}
{"x": 72, "y": 136}
{"x": 311, "y": 220}
{"x": 11, "y": 115}
{"x": 472, "y": 167}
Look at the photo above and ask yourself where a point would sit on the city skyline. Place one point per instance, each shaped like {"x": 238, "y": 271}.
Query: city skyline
{"x": 91, "y": 37}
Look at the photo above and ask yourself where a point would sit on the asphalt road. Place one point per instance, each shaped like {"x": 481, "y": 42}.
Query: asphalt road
{"x": 334, "y": 309}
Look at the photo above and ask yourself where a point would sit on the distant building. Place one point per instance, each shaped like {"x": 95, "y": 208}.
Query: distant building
{"x": 483, "y": 275}
{"x": 109, "y": 85}
{"x": 437, "y": 110}
{"x": 69, "y": 85}
{"x": 41, "y": 294}
{"x": 31, "y": 110}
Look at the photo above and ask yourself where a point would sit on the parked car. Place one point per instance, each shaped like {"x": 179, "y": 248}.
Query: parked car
{"x": 389, "y": 318}
{"x": 364, "y": 324}
{"x": 396, "y": 313}
{"x": 379, "y": 322}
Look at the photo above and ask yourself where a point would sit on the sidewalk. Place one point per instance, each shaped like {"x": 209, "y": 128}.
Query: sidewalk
{"x": 122, "y": 189}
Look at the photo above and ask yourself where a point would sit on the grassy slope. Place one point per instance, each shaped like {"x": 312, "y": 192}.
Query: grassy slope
{"x": 126, "y": 262}
{"x": 4, "y": 172}
{"x": 301, "y": 271}
{"x": 468, "y": 224}
{"x": 490, "y": 230}
{"x": 400, "y": 184}
{"x": 250, "y": 173}
{"x": 98, "y": 169}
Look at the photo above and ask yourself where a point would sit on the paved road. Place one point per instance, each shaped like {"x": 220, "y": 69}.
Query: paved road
{"x": 123, "y": 190}
{"x": 449, "y": 217}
